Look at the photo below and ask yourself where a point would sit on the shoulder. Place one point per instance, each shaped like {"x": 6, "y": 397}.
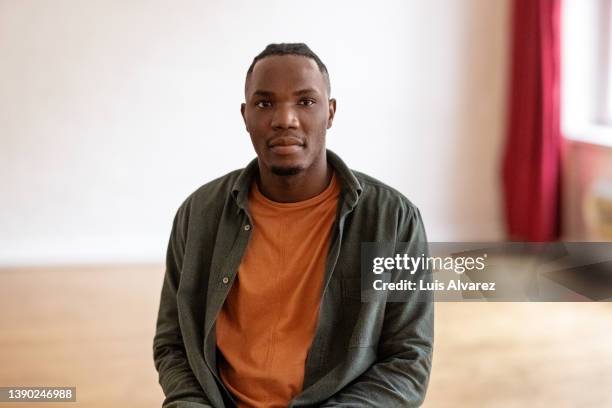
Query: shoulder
{"x": 209, "y": 197}
{"x": 377, "y": 194}
{"x": 394, "y": 216}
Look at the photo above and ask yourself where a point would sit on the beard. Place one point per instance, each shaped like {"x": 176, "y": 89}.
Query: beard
{"x": 286, "y": 171}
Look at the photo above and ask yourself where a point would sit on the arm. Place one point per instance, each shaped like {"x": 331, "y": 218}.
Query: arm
{"x": 181, "y": 388}
{"x": 400, "y": 376}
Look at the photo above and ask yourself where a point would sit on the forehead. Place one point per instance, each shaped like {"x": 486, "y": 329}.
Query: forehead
{"x": 285, "y": 73}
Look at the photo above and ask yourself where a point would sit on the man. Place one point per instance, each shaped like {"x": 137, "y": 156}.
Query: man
{"x": 261, "y": 306}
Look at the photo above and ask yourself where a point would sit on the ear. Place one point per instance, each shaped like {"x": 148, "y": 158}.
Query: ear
{"x": 242, "y": 112}
{"x": 331, "y": 113}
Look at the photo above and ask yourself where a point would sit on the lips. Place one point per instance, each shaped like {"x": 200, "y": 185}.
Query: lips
{"x": 286, "y": 145}
{"x": 285, "y": 141}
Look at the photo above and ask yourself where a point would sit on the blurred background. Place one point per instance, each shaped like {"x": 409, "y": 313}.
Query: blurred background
{"x": 493, "y": 117}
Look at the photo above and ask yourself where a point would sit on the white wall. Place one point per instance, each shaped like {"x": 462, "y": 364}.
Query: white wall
{"x": 112, "y": 112}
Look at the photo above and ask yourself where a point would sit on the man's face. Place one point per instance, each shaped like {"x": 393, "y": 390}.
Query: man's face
{"x": 287, "y": 113}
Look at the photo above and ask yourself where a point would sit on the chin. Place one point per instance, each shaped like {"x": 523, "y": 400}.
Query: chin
{"x": 286, "y": 170}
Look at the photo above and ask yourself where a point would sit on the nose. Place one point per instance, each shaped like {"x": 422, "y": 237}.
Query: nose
{"x": 284, "y": 117}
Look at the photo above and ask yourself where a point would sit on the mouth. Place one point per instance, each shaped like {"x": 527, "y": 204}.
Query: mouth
{"x": 286, "y": 145}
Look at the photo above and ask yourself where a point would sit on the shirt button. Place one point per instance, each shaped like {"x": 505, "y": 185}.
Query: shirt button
{"x": 247, "y": 227}
{"x": 225, "y": 280}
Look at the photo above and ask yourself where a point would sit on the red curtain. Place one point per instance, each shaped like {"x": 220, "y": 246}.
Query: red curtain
{"x": 532, "y": 157}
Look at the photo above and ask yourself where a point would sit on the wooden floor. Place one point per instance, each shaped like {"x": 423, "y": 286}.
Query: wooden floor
{"x": 93, "y": 327}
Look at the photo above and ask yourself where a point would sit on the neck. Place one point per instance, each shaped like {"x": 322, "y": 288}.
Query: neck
{"x": 291, "y": 189}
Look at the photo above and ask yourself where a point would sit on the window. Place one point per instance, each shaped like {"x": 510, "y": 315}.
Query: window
{"x": 586, "y": 110}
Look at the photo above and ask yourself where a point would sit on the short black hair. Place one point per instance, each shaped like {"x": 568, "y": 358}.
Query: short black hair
{"x": 291, "y": 49}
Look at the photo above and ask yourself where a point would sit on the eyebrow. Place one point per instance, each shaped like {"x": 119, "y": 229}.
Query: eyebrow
{"x": 261, "y": 92}
{"x": 306, "y": 91}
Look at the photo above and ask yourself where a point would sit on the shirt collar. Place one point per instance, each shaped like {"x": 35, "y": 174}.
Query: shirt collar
{"x": 351, "y": 188}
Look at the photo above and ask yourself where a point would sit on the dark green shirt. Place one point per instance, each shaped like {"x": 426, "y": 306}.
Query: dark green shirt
{"x": 364, "y": 354}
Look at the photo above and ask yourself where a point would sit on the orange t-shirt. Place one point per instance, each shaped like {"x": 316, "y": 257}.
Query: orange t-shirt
{"x": 268, "y": 321}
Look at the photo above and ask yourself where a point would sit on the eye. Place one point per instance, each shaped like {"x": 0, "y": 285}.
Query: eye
{"x": 263, "y": 104}
{"x": 307, "y": 102}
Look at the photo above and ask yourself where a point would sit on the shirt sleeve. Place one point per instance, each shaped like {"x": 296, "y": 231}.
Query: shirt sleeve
{"x": 179, "y": 384}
